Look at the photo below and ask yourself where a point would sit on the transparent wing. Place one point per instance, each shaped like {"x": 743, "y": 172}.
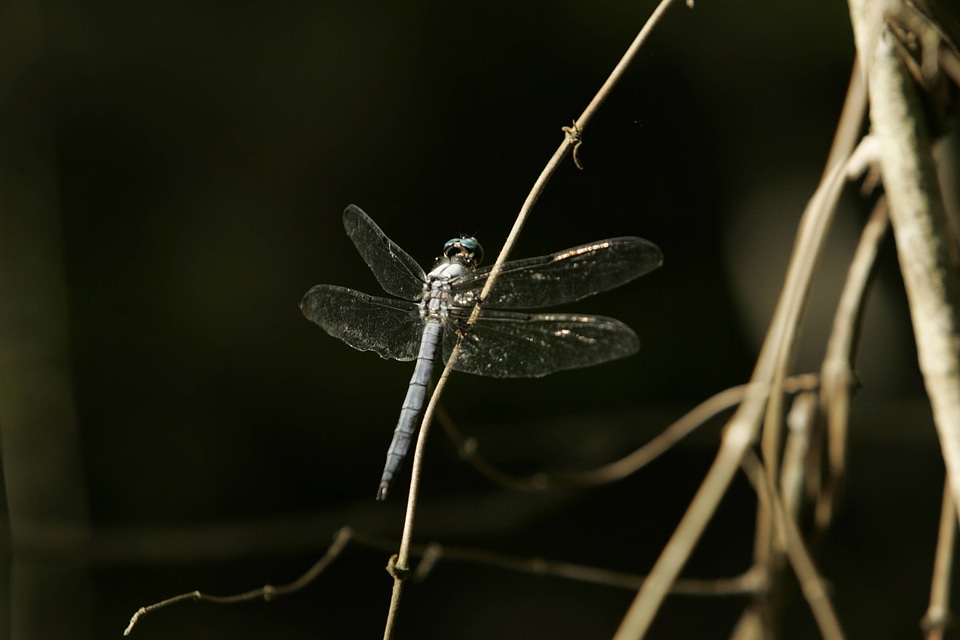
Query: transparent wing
{"x": 395, "y": 270}
{"x": 561, "y": 277}
{"x": 392, "y": 328}
{"x": 503, "y": 344}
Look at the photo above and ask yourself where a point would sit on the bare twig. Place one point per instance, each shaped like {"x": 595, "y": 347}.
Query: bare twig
{"x": 811, "y": 584}
{"x": 837, "y": 372}
{"x": 433, "y": 553}
{"x": 573, "y": 138}
{"x": 841, "y": 154}
{"x": 844, "y": 140}
{"x": 400, "y": 567}
{"x": 950, "y": 63}
{"x": 851, "y": 120}
{"x": 266, "y": 592}
{"x": 794, "y": 473}
{"x": 630, "y": 463}
{"x": 938, "y": 611}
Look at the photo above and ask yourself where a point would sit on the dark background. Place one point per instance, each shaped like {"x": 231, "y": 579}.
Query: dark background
{"x": 199, "y": 157}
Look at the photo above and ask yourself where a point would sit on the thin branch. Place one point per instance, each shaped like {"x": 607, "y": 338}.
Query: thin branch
{"x": 801, "y": 420}
{"x": 571, "y": 140}
{"x": 841, "y": 154}
{"x": 851, "y": 120}
{"x": 811, "y": 584}
{"x": 837, "y": 371}
{"x": 938, "y": 611}
{"x": 629, "y": 464}
{"x": 433, "y": 553}
{"x": 844, "y": 142}
{"x": 742, "y": 429}
{"x": 266, "y": 592}
{"x": 950, "y": 63}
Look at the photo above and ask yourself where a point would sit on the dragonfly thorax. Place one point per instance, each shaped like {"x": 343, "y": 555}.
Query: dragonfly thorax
{"x": 436, "y": 290}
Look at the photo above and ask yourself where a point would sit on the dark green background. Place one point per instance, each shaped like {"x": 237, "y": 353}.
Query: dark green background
{"x": 199, "y": 156}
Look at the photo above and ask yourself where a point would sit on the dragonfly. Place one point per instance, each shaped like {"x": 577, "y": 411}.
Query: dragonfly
{"x": 430, "y": 312}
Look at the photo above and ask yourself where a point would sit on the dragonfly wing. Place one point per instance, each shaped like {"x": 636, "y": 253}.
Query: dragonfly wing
{"x": 504, "y": 344}
{"x": 561, "y": 277}
{"x": 395, "y": 270}
{"x": 391, "y": 328}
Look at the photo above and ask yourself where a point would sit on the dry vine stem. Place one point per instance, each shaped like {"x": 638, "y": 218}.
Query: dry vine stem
{"x": 810, "y": 583}
{"x": 432, "y": 553}
{"x": 741, "y": 432}
{"x": 837, "y": 373}
{"x": 918, "y": 221}
{"x": 399, "y": 565}
{"x": 938, "y": 611}
{"x": 766, "y": 554}
{"x": 266, "y": 592}
{"x": 632, "y": 462}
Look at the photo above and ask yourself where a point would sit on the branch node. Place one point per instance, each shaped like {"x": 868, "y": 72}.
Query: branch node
{"x": 574, "y": 137}
{"x": 397, "y": 572}
{"x": 936, "y": 619}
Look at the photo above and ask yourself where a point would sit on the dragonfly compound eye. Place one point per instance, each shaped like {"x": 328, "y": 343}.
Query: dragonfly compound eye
{"x": 467, "y": 249}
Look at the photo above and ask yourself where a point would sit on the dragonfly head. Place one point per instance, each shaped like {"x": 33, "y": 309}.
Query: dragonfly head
{"x": 465, "y": 250}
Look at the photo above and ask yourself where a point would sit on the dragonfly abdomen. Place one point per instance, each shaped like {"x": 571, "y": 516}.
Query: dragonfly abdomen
{"x": 413, "y": 404}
